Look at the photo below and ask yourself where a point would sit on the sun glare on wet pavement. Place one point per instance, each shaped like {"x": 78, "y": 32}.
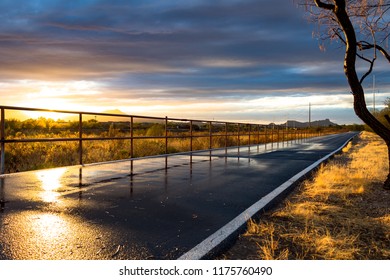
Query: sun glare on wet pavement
{"x": 51, "y": 182}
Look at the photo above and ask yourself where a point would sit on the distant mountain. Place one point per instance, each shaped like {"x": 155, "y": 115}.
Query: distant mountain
{"x": 112, "y": 119}
{"x": 87, "y": 117}
{"x": 297, "y": 124}
{"x": 115, "y": 111}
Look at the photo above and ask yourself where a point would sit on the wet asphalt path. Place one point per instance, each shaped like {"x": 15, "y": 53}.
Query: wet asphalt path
{"x": 101, "y": 212}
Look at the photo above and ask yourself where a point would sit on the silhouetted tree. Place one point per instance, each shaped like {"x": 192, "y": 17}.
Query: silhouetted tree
{"x": 362, "y": 26}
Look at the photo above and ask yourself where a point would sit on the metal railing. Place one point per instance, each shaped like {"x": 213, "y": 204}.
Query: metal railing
{"x": 243, "y": 133}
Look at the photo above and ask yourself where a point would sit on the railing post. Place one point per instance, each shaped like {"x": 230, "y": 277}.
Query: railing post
{"x": 191, "y": 136}
{"x": 226, "y": 135}
{"x": 295, "y": 136}
{"x": 210, "y": 135}
{"x": 2, "y": 139}
{"x": 191, "y": 143}
{"x": 238, "y": 135}
{"x": 166, "y": 144}
{"x": 292, "y": 136}
{"x": 210, "y": 140}
{"x": 250, "y": 130}
{"x": 131, "y": 147}
{"x": 131, "y": 137}
{"x": 166, "y": 135}
{"x": 288, "y": 136}
{"x": 80, "y": 138}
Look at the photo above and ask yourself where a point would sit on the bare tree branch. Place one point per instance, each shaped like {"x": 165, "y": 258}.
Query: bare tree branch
{"x": 323, "y": 5}
{"x": 337, "y": 33}
{"x": 363, "y": 45}
{"x": 369, "y": 70}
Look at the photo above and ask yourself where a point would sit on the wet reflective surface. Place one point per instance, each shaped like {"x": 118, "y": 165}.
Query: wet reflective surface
{"x": 155, "y": 208}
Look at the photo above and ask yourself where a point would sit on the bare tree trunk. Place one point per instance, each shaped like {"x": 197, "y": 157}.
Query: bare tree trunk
{"x": 360, "y": 107}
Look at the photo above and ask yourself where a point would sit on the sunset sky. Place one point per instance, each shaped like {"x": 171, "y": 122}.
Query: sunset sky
{"x": 241, "y": 60}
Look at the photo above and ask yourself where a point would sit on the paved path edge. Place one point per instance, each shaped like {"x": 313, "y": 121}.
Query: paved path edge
{"x": 214, "y": 242}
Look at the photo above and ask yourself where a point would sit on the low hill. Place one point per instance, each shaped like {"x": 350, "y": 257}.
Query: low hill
{"x": 100, "y": 118}
{"x": 320, "y": 123}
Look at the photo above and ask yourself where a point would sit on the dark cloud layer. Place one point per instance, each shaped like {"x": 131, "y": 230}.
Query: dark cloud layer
{"x": 185, "y": 49}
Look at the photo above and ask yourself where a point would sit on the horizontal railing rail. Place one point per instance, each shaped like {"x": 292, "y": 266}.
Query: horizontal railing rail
{"x": 191, "y": 129}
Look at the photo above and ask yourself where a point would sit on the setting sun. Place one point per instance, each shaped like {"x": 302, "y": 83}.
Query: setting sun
{"x": 67, "y": 95}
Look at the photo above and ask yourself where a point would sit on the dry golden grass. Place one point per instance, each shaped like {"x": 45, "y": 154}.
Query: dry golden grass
{"x": 342, "y": 213}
